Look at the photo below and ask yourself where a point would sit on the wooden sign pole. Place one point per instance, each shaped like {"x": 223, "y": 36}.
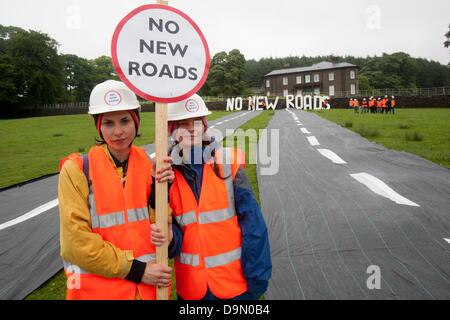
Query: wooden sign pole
{"x": 161, "y": 188}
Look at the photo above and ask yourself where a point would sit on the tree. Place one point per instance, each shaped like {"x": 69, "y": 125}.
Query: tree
{"x": 34, "y": 72}
{"x": 447, "y": 42}
{"x": 79, "y": 73}
{"x": 226, "y": 75}
{"x": 103, "y": 70}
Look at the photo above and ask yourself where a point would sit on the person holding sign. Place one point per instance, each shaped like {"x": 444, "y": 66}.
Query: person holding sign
{"x": 225, "y": 252}
{"x": 103, "y": 203}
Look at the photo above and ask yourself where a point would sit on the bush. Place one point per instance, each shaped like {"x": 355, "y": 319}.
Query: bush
{"x": 404, "y": 126}
{"x": 348, "y": 124}
{"x": 413, "y": 136}
{"x": 368, "y": 132}
{"x": 58, "y": 134}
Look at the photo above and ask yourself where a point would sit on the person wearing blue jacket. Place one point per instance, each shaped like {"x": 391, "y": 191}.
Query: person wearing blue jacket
{"x": 254, "y": 253}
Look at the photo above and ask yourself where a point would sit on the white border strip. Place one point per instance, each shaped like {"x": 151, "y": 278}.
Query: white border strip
{"x": 33, "y": 213}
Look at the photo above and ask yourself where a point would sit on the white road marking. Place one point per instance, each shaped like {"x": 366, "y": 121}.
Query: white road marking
{"x": 332, "y": 156}
{"x": 33, "y": 213}
{"x": 381, "y": 188}
{"x": 299, "y": 124}
{"x": 313, "y": 141}
{"x": 448, "y": 240}
{"x": 304, "y": 130}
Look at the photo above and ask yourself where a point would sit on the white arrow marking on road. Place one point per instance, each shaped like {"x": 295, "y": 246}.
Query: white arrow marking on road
{"x": 33, "y": 213}
{"x": 381, "y": 188}
{"x": 332, "y": 156}
{"x": 313, "y": 141}
{"x": 448, "y": 240}
{"x": 304, "y": 130}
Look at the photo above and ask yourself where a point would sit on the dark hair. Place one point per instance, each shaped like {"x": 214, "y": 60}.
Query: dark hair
{"x": 102, "y": 141}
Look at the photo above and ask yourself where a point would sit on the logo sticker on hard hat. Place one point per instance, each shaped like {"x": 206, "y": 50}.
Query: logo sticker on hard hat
{"x": 192, "y": 106}
{"x": 112, "y": 98}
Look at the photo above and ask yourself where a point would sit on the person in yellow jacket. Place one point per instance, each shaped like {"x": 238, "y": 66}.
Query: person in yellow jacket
{"x": 105, "y": 227}
{"x": 225, "y": 252}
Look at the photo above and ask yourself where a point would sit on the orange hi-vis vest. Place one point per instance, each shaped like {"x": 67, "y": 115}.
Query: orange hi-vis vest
{"x": 379, "y": 104}
{"x": 119, "y": 214}
{"x": 212, "y": 240}
{"x": 371, "y": 103}
{"x": 356, "y": 103}
{"x": 392, "y": 103}
{"x": 383, "y": 103}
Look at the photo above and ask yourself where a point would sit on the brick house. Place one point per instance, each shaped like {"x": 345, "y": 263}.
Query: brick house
{"x": 324, "y": 78}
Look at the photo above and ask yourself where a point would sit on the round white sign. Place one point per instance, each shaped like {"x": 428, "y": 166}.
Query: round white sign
{"x": 160, "y": 53}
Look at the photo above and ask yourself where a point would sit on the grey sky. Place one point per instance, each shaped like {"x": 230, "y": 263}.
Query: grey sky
{"x": 257, "y": 28}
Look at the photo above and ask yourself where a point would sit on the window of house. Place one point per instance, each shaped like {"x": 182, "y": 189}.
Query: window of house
{"x": 316, "y": 91}
{"x": 331, "y": 76}
{"x": 299, "y": 79}
{"x": 268, "y": 93}
{"x": 352, "y": 88}
{"x": 285, "y": 92}
{"x": 316, "y": 78}
{"x": 285, "y": 81}
{"x": 307, "y": 78}
{"x": 331, "y": 91}
{"x": 267, "y": 83}
{"x": 352, "y": 74}
{"x": 299, "y": 92}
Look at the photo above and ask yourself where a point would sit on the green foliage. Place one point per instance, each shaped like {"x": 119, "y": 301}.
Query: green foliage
{"x": 397, "y": 70}
{"x": 226, "y": 75}
{"x": 30, "y": 68}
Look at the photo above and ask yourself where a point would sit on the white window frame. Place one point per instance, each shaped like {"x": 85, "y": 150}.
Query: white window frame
{"x": 331, "y": 76}
{"x": 316, "y": 91}
{"x": 268, "y": 83}
{"x": 299, "y": 79}
{"x": 352, "y": 88}
{"x": 331, "y": 90}
{"x": 285, "y": 81}
{"x": 352, "y": 74}
{"x": 307, "y": 78}
{"x": 299, "y": 92}
{"x": 268, "y": 93}
{"x": 316, "y": 77}
{"x": 285, "y": 92}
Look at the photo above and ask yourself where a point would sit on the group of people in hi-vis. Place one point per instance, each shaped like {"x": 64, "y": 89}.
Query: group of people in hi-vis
{"x": 217, "y": 234}
{"x": 373, "y": 105}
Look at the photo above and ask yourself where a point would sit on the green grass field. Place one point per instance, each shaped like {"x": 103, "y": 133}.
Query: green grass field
{"x": 424, "y": 132}
{"x": 32, "y": 147}
{"x": 55, "y": 288}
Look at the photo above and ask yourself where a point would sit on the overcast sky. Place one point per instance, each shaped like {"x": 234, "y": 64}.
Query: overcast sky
{"x": 258, "y": 28}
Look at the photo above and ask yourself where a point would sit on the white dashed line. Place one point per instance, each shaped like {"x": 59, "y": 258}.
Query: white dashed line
{"x": 332, "y": 156}
{"x": 304, "y": 130}
{"x": 381, "y": 188}
{"x": 33, "y": 213}
{"x": 313, "y": 141}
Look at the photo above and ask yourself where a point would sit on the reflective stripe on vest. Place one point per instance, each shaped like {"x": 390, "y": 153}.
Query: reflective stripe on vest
{"x": 116, "y": 218}
{"x": 219, "y": 260}
{"x": 214, "y": 215}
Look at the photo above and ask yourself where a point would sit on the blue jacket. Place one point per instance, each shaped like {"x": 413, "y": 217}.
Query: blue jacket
{"x": 256, "y": 260}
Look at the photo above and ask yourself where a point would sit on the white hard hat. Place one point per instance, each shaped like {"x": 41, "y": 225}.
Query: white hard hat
{"x": 192, "y": 107}
{"x": 112, "y": 96}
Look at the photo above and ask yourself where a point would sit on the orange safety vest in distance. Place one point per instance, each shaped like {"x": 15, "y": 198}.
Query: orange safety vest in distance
{"x": 371, "y": 103}
{"x": 212, "y": 240}
{"x": 392, "y": 103}
{"x": 356, "y": 103}
{"x": 119, "y": 214}
{"x": 383, "y": 103}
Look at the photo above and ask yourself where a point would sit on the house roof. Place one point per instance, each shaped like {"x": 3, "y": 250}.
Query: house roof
{"x": 324, "y": 65}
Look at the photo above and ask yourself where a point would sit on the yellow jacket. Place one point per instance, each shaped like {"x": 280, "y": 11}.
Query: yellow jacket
{"x": 79, "y": 244}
